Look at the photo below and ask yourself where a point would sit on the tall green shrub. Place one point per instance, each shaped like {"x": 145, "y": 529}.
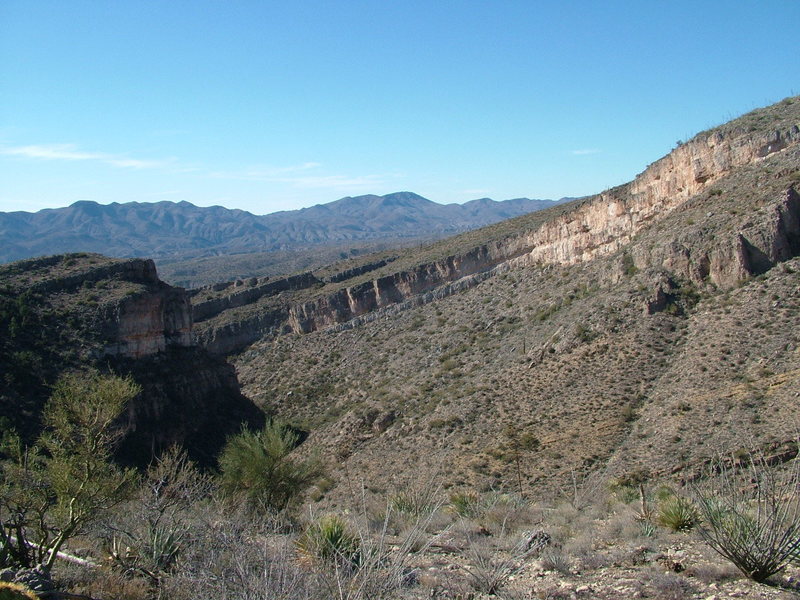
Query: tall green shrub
{"x": 257, "y": 467}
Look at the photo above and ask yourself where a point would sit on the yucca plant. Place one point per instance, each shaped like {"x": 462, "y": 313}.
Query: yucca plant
{"x": 465, "y": 504}
{"x": 677, "y": 513}
{"x": 329, "y": 541}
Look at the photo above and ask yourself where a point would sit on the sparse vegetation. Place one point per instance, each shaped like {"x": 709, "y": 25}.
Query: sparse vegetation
{"x": 519, "y": 396}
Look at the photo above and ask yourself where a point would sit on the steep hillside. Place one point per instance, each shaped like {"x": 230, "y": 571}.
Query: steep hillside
{"x": 86, "y": 311}
{"x": 643, "y": 328}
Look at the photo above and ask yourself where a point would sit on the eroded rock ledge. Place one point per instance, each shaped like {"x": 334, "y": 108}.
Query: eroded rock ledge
{"x": 598, "y": 226}
{"x": 585, "y": 230}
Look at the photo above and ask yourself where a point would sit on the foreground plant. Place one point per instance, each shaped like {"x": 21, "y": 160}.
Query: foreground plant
{"x": 752, "y": 518}
{"x": 15, "y": 591}
{"x": 258, "y": 469}
{"x": 330, "y": 541}
{"x": 150, "y": 537}
{"x": 51, "y": 491}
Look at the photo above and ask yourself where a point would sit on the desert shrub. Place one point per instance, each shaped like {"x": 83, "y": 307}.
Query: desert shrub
{"x": 555, "y": 559}
{"x": 150, "y": 535}
{"x": 465, "y": 504}
{"x": 256, "y": 467}
{"x": 628, "y": 487}
{"x": 666, "y": 586}
{"x": 490, "y": 570}
{"x": 677, "y": 513}
{"x": 752, "y": 518}
{"x": 51, "y": 491}
{"x": 330, "y": 541}
{"x": 418, "y": 501}
{"x": 238, "y": 555}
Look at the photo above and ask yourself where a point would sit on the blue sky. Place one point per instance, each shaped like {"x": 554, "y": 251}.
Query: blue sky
{"x": 266, "y": 105}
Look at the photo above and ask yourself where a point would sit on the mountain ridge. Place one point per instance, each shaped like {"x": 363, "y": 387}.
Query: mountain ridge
{"x": 182, "y": 230}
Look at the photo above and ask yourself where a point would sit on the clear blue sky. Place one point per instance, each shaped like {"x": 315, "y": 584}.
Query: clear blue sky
{"x": 266, "y": 105}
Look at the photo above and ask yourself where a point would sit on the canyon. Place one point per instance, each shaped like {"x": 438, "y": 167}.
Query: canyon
{"x": 572, "y": 233}
{"x": 431, "y": 354}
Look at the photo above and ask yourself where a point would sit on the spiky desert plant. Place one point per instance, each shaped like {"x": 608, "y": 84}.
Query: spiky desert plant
{"x": 677, "y": 513}
{"x": 16, "y": 591}
{"x": 465, "y": 504}
{"x": 329, "y": 541}
{"x": 258, "y": 468}
{"x": 752, "y": 518}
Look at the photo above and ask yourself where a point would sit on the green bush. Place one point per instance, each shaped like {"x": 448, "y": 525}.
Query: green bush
{"x": 51, "y": 491}
{"x": 257, "y": 468}
{"x": 677, "y": 513}
{"x": 329, "y": 541}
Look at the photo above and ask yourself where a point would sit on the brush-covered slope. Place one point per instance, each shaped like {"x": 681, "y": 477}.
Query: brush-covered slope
{"x": 645, "y": 328}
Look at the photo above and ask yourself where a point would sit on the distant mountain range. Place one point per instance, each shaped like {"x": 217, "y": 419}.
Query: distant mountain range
{"x": 168, "y": 229}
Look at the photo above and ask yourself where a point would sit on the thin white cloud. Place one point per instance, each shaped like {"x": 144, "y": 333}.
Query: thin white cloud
{"x": 72, "y": 153}
{"x": 584, "y": 151}
{"x": 299, "y": 176}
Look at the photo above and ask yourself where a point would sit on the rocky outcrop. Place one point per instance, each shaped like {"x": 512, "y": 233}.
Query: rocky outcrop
{"x": 380, "y": 293}
{"x": 147, "y": 318}
{"x": 148, "y": 323}
{"x": 225, "y": 338}
{"x": 607, "y": 222}
{"x": 244, "y": 292}
{"x": 90, "y": 312}
{"x": 580, "y": 232}
{"x": 770, "y": 237}
{"x": 602, "y": 225}
{"x": 356, "y": 271}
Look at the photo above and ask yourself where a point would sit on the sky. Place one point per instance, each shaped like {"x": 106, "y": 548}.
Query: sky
{"x": 272, "y": 105}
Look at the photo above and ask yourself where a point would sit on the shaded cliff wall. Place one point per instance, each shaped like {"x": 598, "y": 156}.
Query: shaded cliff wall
{"x": 87, "y": 311}
{"x": 225, "y": 338}
{"x": 189, "y": 398}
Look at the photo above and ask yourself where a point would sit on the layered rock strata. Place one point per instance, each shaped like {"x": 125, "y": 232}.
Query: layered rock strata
{"x": 581, "y": 231}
